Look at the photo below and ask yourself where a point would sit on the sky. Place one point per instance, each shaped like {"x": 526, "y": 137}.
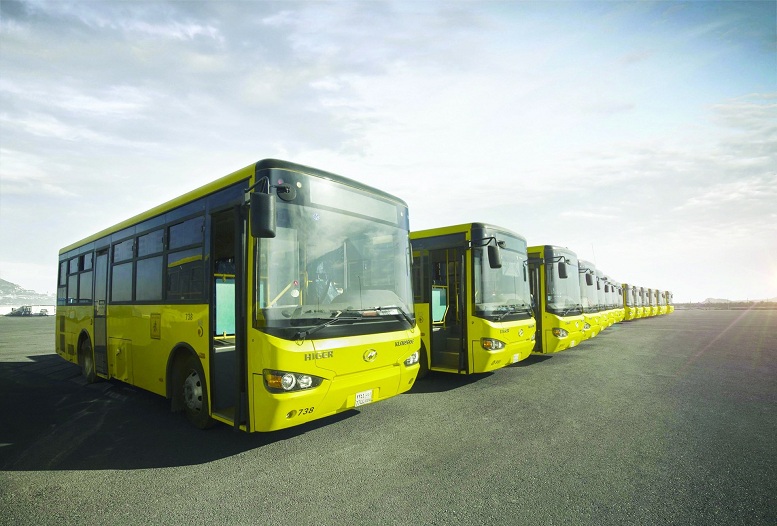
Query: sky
{"x": 641, "y": 135}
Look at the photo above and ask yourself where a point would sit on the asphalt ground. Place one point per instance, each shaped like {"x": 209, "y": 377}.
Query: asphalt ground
{"x": 666, "y": 420}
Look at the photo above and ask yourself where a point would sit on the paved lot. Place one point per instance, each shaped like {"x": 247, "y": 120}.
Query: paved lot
{"x": 669, "y": 420}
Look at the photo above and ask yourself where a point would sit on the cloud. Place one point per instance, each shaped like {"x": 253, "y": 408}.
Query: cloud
{"x": 760, "y": 192}
{"x": 628, "y": 128}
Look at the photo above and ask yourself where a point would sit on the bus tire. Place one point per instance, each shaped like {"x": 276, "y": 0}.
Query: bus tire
{"x": 193, "y": 392}
{"x": 423, "y": 363}
{"x": 86, "y": 361}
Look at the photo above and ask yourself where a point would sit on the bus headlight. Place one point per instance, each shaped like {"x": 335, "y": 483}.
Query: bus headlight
{"x": 304, "y": 381}
{"x": 586, "y": 326}
{"x": 284, "y": 382}
{"x": 288, "y": 381}
{"x": 413, "y": 358}
{"x": 491, "y": 344}
{"x": 559, "y": 332}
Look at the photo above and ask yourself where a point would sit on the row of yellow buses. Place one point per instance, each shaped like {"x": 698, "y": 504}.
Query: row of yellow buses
{"x": 643, "y": 302}
{"x": 281, "y": 294}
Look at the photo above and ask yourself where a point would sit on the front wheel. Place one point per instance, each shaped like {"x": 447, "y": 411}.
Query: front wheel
{"x": 193, "y": 392}
{"x": 423, "y": 363}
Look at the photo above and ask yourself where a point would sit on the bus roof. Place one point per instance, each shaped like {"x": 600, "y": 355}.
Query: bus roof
{"x": 242, "y": 174}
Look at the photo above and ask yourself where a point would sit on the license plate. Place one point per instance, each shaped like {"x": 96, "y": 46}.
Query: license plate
{"x": 363, "y": 397}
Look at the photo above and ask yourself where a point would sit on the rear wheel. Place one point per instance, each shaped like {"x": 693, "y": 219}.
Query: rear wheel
{"x": 86, "y": 361}
{"x": 193, "y": 393}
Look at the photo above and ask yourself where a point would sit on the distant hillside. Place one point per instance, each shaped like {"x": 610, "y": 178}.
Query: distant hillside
{"x": 12, "y": 294}
{"x": 717, "y": 300}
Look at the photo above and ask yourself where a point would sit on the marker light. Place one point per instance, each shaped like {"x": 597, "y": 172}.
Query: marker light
{"x": 491, "y": 344}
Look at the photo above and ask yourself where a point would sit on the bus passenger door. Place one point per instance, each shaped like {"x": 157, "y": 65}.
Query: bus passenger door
{"x": 538, "y": 300}
{"x": 226, "y": 276}
{"x": 100, "y": 307}
{"x": 449, "y": 349}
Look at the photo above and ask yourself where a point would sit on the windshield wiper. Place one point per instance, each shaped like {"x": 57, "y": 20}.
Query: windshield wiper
{"x": 570, "y": 309}
{"x": 394, "y": 309}
{"x": 508, "y": 309}
{"x": 498, "y": 317}
{"x": 302, "y": 335}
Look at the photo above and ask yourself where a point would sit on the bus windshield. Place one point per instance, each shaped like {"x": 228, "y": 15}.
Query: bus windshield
{"x": 588, "y": 295}
{"x": 502, "y": 294}
{"x": 331, "y": 273}
{"x": 563, "y": 293}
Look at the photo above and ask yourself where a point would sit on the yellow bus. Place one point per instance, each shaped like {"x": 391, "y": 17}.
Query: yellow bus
{"x": 273, "y": 296}
{"x": 602, "y": 290}
{"x": 631, "y": 302}
{"x": 650, "y": 302}
{"x": 589, "y": 296}
{"x": 661, "y": 301}
{"x": 557, "y": 303}
{"x": 641, "y": 299}
{"x": 472, "y": 300}
{"x": 669, "y": 302}
{"x": 619, "y": 310}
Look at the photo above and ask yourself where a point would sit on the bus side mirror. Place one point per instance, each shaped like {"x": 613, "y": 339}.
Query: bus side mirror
{"x": 494, "y": 257}
{"x": 562, "y": 269}
{"x": 589, "y": 279}
{"x": 262, "y": 211}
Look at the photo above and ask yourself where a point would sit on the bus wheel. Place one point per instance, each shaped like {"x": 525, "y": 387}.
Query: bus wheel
{"x": 193, "y": 392}
{"x": 423, "y": 363}
{"x": 86, "y": 361}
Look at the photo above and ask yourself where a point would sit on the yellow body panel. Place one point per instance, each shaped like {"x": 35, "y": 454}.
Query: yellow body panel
{"x": 385, "y": 376}
{"x": 594, "y": 321}
{"x": 572, "y": 324}
{"x": 517, "y": 335}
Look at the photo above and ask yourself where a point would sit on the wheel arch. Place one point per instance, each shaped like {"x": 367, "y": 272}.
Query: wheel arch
{"x": 82, "y": 337}
{"x": 180, "y": 350}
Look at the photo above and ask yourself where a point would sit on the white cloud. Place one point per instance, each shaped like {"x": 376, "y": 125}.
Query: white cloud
{"x": 633, "y": 132}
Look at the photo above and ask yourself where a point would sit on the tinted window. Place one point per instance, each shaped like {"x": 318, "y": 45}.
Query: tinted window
{"x": 72, "y": 288}
{"x": 185, "y": 275}
{"x": 121, "y": 282}
{"x": 122, "y": 251}
{"x": 149, "y": 279}
{"x": 189, "y": 232}
{"x": 150, "y": 243}
{"x": 85, "y": 288}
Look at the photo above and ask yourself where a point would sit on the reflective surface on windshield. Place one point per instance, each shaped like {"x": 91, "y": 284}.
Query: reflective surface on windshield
{"x": 332, "y": 273}
{"x": 563, "y": 293}
{"x": 588, "y": 295}
{"x": 502, "y": 294}
{"x": 600, "y": 282}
